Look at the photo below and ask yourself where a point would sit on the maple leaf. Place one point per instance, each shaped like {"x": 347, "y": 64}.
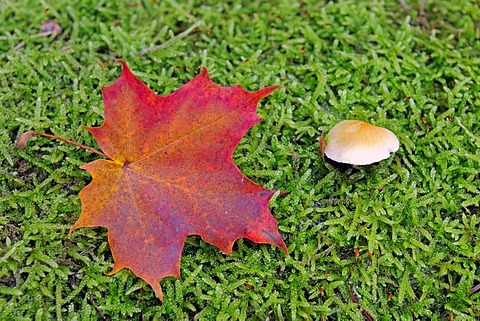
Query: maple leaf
{"x": 171, "y": 174}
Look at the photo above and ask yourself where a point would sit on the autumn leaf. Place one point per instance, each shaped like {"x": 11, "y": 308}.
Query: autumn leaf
{"x": 171, "y": 174}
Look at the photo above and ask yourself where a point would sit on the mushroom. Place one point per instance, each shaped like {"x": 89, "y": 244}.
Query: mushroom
{"x": 359, "y": 143}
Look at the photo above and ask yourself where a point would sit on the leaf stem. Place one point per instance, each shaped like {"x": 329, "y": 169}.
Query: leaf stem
{"x": 22, "y": 142}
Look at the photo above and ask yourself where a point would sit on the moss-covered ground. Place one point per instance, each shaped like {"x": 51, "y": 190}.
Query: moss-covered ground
{"x": 397, "y": 240}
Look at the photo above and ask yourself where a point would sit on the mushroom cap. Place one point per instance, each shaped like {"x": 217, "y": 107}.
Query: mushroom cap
{"x": 359, "y": 143}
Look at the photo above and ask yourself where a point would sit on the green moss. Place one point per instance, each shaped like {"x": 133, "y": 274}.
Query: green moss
{"x": 401, "y": 236}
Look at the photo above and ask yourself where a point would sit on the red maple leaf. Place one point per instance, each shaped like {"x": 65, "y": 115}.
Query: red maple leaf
{"x": 171, "y": 174}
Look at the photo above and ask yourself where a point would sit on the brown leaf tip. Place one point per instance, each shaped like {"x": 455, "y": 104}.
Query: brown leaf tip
{"x": 264, "y": 92}
{"x": 124, "y": 64}
{"x": 125, "y": 69}
{"x": 204, "y": 73}
{"x": 157, "y": 289}
{"x": 282, "y": 246}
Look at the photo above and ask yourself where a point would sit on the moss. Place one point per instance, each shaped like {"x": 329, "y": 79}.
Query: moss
{"x": 400, "y": 236}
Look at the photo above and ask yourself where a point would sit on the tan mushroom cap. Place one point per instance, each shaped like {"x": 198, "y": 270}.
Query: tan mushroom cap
{"x": 359, "y": 143}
